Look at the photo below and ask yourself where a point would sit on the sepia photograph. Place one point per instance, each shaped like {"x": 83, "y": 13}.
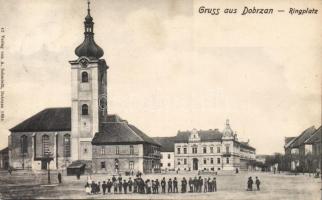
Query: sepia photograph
{"x": 151, "y": 99}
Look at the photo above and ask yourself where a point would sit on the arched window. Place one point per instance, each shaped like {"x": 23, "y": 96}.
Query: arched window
{"x": 45, "y": 145}
{"x": 67, "y": 145}
{"x": 84, "y": 109}
{"x": 84, "y": 77}
{"x": 24, "y": 144}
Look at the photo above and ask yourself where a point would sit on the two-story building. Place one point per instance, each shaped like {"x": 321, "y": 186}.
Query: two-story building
{"x": 210, "y": 150}
{"x": 122, "y": 147}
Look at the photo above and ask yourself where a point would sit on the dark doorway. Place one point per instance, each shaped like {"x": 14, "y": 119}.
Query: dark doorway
{"x": 195, "y": 164}
{"x": 43, "y": 165}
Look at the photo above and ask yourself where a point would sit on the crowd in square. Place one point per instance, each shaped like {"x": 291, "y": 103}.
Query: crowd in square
{"x": 118, "y": 185}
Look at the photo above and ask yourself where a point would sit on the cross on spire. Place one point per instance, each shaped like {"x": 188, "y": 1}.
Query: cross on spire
{"x": 88, "y": 6}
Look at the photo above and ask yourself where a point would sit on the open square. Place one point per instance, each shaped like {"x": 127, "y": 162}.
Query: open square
{"x": 233, "y": 186}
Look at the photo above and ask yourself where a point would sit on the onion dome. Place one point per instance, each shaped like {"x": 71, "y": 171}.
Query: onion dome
{"x": 228, "y": 132}
{"x": 89, "y": 48}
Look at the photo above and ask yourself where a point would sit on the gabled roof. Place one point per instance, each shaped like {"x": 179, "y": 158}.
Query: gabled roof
{"x": 303, "y": 137}
{"x": 289, "y": 141}
{"x": 118, "y": 131}
{"x": 315, "y": 137}
{"x": 205, "y": 135}
{"x": 167, "y": 143}
{"x": 246, "y": 145}
{"x": 50, "y": 119}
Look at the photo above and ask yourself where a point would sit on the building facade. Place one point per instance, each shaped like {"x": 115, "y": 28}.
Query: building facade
{"x": 167, "y": 153}
{"x": 210, "y": 150}
{"x": 122, "y": 147}
{"x": 4, "y": 158}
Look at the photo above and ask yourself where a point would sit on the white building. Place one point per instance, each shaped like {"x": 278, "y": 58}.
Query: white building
{"x": 210, "y": 150}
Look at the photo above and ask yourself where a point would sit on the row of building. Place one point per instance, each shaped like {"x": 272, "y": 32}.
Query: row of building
{"x": 303, "y": 152}
{"x": 85, "y": 136}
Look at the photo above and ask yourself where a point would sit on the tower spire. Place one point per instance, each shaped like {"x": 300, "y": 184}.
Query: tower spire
{"x": 88, "y": 7}
{"x": 89, "y": 48}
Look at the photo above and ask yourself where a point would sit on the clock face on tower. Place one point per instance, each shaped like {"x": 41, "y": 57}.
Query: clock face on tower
{"x": 102, "y": 102}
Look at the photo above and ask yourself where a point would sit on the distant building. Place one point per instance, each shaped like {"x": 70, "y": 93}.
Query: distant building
{"x": 299, "y": 150}
{"x": 4, "y": 158}
{"x": 211, "y": 150}
{"x": 167, "y": 152}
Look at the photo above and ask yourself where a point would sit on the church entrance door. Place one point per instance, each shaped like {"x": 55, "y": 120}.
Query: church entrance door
{"x": 43, "y": 165}
{"x": 195, "y": 164}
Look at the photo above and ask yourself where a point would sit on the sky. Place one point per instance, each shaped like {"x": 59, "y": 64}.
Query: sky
{"x": 170, "y": 67}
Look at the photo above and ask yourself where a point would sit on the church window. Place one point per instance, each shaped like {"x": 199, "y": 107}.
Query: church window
{"x": 24, "y": 144}
{"x": 45, "y": 145}
{"x": 131, "y": 149}
{"x": 84, "y": 109}
{"x": 84, "y": 77}
{"x": 103, "y": 165}
{"x": 67, "y": 145}
{"x": 131, "y": 165}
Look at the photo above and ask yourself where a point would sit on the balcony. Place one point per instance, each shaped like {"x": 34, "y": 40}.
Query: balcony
{"x": 226, "y": 154}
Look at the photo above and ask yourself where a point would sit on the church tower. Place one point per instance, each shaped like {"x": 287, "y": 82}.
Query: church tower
{"x": 89, "y": 93}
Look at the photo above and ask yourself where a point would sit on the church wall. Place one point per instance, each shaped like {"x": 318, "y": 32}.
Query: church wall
{"x": 32, "y": 159}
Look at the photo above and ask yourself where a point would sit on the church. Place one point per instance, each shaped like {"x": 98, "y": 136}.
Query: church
{"x": 83, "y": 135}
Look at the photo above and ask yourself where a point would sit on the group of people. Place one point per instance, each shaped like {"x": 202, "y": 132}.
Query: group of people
{"x": 250, "y": 183}
{"x": 138, "y": 185}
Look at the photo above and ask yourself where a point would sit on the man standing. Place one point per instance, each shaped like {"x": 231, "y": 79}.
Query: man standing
{"x": 205, "y": 187}
{"x": 109, "y": 185}
{"x": 175, "y": 185}
{"x": 184, "y": 185}
{"x": 163, "y": 185}
{"x": 250, "y": 184}
{"x": 157, "y": 185}
{"x": 214, "y": 185}
{"x": 257, "y": 183}
{"x": 190, "y": 184}
{"x": 125, "y": 184}
{"x": 120, "y": 185}
{"x": 130, "y": 184}
{"x": 169, "y": 185}
{"x": 59, "y": 177}
{"x": 200, "y": 184}
{"x": 104, "y": 187}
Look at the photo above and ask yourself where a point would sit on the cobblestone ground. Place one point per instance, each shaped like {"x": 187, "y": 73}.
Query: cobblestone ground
{"x": 273, "y": 186}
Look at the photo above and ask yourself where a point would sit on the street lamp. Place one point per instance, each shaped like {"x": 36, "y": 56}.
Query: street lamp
{"x": 47, "y": 158}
